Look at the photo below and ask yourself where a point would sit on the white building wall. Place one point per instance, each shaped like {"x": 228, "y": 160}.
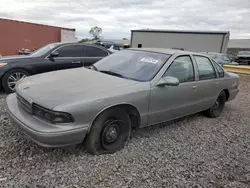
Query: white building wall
{"x": 190, "y": 42}
{"x": 68, "y": 36}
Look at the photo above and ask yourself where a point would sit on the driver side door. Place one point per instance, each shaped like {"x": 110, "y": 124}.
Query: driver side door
{"x": 171, "y": 102}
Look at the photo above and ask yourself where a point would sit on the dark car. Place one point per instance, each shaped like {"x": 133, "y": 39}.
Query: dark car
{"x": 111, "y": 46}
{"x": 222, "y": 59}
{"x": 55, "y": 56}
{"x": 243, "y": 58}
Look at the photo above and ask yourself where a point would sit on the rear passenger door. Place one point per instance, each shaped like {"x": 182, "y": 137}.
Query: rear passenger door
{"x": 207, "y": 85}
{"x": 93, "y": 54}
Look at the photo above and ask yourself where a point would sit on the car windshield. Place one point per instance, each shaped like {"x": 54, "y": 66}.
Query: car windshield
{"x": 43, "y": 50}
{"x": 244, "y": 53}
{"x": 131, "y": 64}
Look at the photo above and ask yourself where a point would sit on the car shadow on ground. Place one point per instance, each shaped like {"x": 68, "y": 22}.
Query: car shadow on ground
{"x": 21, "y": 142}
{"x": 26, "y": 144}
{"x": 2, "y": 94}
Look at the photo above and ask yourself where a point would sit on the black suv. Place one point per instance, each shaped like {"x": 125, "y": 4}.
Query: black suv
{"x": 55, "y": 56}
{"x": 243, "y": 58}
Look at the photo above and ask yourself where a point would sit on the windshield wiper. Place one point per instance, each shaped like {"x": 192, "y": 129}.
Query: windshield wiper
{"x": 116, "y": 74}
{"x": 112, "y": 73}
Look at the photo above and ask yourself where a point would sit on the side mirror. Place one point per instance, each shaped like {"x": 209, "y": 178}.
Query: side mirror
{"x": 168, "y": 81}
{"x": 54, "y": 54}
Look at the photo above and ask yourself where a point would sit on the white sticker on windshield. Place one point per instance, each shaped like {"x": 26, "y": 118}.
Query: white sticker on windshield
{"x": 149, "y": 60}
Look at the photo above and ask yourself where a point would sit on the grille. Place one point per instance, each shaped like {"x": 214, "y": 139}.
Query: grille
{"x": 24, "y": 104}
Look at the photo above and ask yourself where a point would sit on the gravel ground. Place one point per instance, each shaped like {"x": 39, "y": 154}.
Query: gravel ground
{"x": 192, "y": 152}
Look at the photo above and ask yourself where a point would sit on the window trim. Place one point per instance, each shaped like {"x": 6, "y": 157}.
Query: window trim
{"x": 47, "y": 57}
{"x": 198, "y": 73}
{"x": 194, "y": 71}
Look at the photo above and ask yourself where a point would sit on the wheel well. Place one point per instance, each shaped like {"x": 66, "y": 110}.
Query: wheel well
{"x": 132, "y": 112}
{"x": 1, "y": 79}
{"x": 227, "y": 93}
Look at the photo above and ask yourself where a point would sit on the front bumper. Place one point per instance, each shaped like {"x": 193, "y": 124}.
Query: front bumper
{"x": 43, "y": 133}
{"x": 233, "y": 93}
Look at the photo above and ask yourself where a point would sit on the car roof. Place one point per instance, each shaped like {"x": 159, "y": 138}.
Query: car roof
{"x": 85, "y": 44}
{"x": 212, "y": 53}
{"x": 165, "y": 51}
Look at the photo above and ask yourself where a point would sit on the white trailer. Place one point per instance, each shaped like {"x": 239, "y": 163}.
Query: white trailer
{"x": 68, "y": 36}
{"x": 196, "y": 41}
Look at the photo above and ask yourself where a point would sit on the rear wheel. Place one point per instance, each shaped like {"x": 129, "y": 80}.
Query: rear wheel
{"x": 109, "y": 132}
{"x": 11, "y": 78}
{"x": 217, "y": 108}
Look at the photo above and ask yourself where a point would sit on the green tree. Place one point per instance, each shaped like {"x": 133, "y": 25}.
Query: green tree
{"x": 84, "y": 40}
{"x": 95, "y": 32}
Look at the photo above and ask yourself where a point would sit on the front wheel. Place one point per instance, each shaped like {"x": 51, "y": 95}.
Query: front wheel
{"x": 218, "y": 106}
{"x": 11, "y": 78}
{"x": 109, "y": 132}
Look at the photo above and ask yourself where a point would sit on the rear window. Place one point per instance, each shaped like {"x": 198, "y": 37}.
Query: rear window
{"x": 107, "y": 45}
{"x": 91, "y": 51}
{"x": 104, "y": 44}
{"x": 219, "y": 69}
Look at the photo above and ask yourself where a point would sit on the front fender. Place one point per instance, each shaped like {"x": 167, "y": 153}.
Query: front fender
{"x": 84, "y": 112}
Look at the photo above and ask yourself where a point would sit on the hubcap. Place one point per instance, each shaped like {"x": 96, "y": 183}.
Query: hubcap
{"x": 14, "y": 78}
{"x": 111, "y": 132}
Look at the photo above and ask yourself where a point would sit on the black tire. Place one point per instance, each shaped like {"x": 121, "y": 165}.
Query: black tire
{"x": 217, "y": 108}
{"x": 96, "y": 141}
{"x": 6, "y": 76}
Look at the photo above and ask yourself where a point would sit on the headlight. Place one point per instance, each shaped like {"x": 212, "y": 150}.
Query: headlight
{"x": 2, "y": 64}
{"x": 52, "y": 116}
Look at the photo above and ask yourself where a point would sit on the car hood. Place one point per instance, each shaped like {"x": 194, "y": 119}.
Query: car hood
{"x": 61, "y": 87}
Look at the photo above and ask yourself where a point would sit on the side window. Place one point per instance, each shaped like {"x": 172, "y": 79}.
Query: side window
{"x": 219, "y": 69}
{"x": 71, "y": 51}
{"x": 181, "y": 68}
{"x": 91, "y": 51}
{"x": 206, "y": 69}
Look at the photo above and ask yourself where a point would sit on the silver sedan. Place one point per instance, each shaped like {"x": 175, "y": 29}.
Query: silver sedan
{"x": 129, "y": 89}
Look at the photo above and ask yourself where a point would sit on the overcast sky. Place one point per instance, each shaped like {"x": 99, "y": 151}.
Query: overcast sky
{"x": 118, "y": 17}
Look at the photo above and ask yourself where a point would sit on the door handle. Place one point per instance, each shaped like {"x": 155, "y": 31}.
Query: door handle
{"x": 76, "y": 62}
{"x": 194, "y": 87}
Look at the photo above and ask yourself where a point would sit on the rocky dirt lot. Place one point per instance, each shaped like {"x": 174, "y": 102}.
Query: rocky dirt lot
{"x": 192, "y": 152}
